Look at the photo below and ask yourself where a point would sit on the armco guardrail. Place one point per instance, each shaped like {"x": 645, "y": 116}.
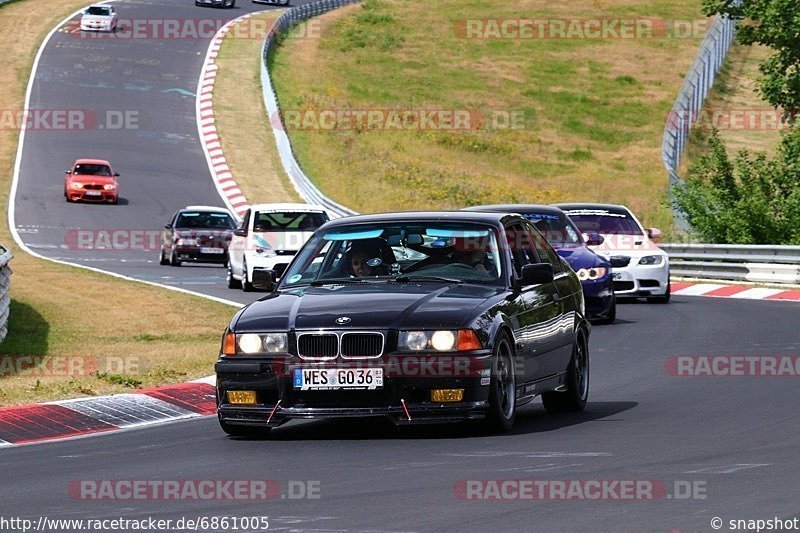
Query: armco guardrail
{"x": 307, "y": 190}
{"x": 5, "y": 288}
{"x": 756, "y": 263}
{"x": 696, "y": 86}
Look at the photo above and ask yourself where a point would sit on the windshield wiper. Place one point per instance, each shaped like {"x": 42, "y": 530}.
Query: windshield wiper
{"x": 407, "y": 279}
{"x": 334, "y": 281}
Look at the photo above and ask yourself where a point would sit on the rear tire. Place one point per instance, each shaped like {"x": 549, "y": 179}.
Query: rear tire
{"x": 577, "y": 382}
{"x": 244, "y": 431}
{"x": 503, "y": 388}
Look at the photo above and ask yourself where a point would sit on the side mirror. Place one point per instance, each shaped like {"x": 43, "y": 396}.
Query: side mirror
{"x": 67, "y": 171}
{"x": 593, "y": 238}
{"x": 240, "y": 232}
{"x": 116, "y": 174}
{"x": 264, "y": 280}
{"x": 655, "y": 234}
{"x": 536, "y": 274}
{"x": 168, "y": 226}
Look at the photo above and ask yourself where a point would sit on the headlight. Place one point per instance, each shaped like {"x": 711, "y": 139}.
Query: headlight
{"x": 651, "y": 260}
{"x": 185, "y": 241}
{"x": 591, "y": 273}
{"x": 251, "y": 343}
{"x": 265, "y": 252}
{"x": 76, "y": 185}
{"x": 440, "y": 341}
{"x": 109, "y": 187}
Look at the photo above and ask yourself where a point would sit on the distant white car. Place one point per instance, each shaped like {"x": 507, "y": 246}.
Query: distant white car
{"x": 99, "y": 17}
{"x": 639, "y": 267}
{"x": 268, "y": 238}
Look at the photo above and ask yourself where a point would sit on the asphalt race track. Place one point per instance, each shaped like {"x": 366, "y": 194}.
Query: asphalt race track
{"x": 736, "y": 436}
{"x": 734, "y": 439}
{"x": 157, "y": 151}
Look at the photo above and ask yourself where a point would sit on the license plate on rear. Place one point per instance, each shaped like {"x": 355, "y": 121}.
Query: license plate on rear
{"x": 211, "y": 251}
{"x": 93, "y": 193}
{"x": 338, "y": 378}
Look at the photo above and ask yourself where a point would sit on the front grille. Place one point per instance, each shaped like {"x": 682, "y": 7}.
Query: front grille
{"x": 648, "y": 282}
{"x": 623, "y": 285}
{"x": 285, "y": 252}
{"x": 619, "y": 261}
{"x": 93, "y": 187}
{"x": 362, "y": 344}
{"x": 318, "y": 345}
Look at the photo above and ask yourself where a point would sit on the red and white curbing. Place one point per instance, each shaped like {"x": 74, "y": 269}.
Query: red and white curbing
{"x": 220, "y": 171}
{"x": 744, "y": 292}
{"x": 27, "y": 424}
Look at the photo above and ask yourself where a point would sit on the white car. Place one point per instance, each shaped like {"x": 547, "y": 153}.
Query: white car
{"x": 268, "y": 238}
{"x": 99, "y": 17}
{"x": 639, "y": 267}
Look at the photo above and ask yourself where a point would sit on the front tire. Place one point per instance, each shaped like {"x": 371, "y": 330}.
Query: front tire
{"x": 577, "y": 382}
{"x": 162, "y": 259}
{"x": 173, "y": 259}
{"x": 246, "y": 285}
{"x": 233, "y": 283}
{"x": 503, "y": 388}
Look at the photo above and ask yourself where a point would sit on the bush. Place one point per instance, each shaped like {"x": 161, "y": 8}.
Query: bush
{"x": 754, "y": 199}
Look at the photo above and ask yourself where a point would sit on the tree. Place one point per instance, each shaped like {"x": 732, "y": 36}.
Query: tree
{"x": 754, "y": 199}
{"x": 772, "y": 23}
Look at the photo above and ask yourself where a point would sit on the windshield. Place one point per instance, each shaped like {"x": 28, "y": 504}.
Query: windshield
{"x": 605, "y": 222}
{"x": 204, "y": 220}
{"x": 99, "y": 11}
{"x": 403, "y": 252}
{"x": 558, "y": 231}
{"x": 92, "y": 170}
{"x": 288, "y": 221}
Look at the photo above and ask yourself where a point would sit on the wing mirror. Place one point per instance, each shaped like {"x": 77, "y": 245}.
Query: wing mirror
{"x": 168, "y": 226}
{"x": 655, "y": 234}
{"x": 536, "y": 274}
{"x": 593, "y": 238}
{"x": 240, "y": 232}
{"x": 67, "y": 171}
{"x": 116, "y": 174}
{"x": 264, "y": 280}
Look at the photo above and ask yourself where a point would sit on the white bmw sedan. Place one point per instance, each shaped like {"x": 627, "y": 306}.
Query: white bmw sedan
{"x": 99, "y": 18}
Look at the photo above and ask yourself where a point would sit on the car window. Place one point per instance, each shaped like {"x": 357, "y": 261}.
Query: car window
{"x": 519, "y": 244}
{"x": 557, "y": 230}
{"x": 204, "y": 220}
{"x": 544, "y": 251}
{"x": 288, "y": 221}
{"x": 92, "y": 170}
{"x": 604, "y": 222}
{"x": 245, "y": 221}
{"x": 98, "y": 11}
{"x": 387, "y": 251}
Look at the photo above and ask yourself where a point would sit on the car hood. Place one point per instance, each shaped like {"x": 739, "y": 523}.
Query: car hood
{"x": 628, "y": 245}
{"x": 281, "y": 240}
{"x": 97, "y": 18}
{"x": 582, "y": 257}
{"x": 194, "y": 232}
{"x": 369, "y": 306}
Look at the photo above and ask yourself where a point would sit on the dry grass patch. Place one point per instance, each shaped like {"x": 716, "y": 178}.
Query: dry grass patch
{"x": 152, "y": 335}
{"x": 244, "y": 129}
{"x": 593, "y": 110}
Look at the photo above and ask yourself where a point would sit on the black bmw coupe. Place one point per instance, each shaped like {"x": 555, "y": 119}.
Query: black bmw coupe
{"x": 420, "y": 317}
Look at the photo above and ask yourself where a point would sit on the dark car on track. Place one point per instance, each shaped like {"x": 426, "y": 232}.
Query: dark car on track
{"x": 418, "y": 317}
{"x": 593, "y": 270}
{"x": 197, "y": 233}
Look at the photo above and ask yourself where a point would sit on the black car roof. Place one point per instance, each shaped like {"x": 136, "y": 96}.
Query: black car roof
{"x": 611, "y": 208}
{"x": 518, "y": 208}
{"x": 418, "y": 216}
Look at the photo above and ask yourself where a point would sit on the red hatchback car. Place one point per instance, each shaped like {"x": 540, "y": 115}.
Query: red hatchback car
{"x": 92, "y": 180}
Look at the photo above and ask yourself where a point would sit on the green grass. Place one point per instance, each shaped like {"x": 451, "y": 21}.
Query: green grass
{"x": 591, "y": 111}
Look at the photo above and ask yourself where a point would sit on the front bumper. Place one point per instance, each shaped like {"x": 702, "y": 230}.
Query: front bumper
{"x": 87, "y": 26}
{"x": 278, "y": 401}
{"x": 272, "y": 2}
{"x": 193, "y": 254}
{"x": 260, "y": 262}
{"x": 76, "y": 195}
{"x": 598, "y": 296}
{"x": 641, "y": 280}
